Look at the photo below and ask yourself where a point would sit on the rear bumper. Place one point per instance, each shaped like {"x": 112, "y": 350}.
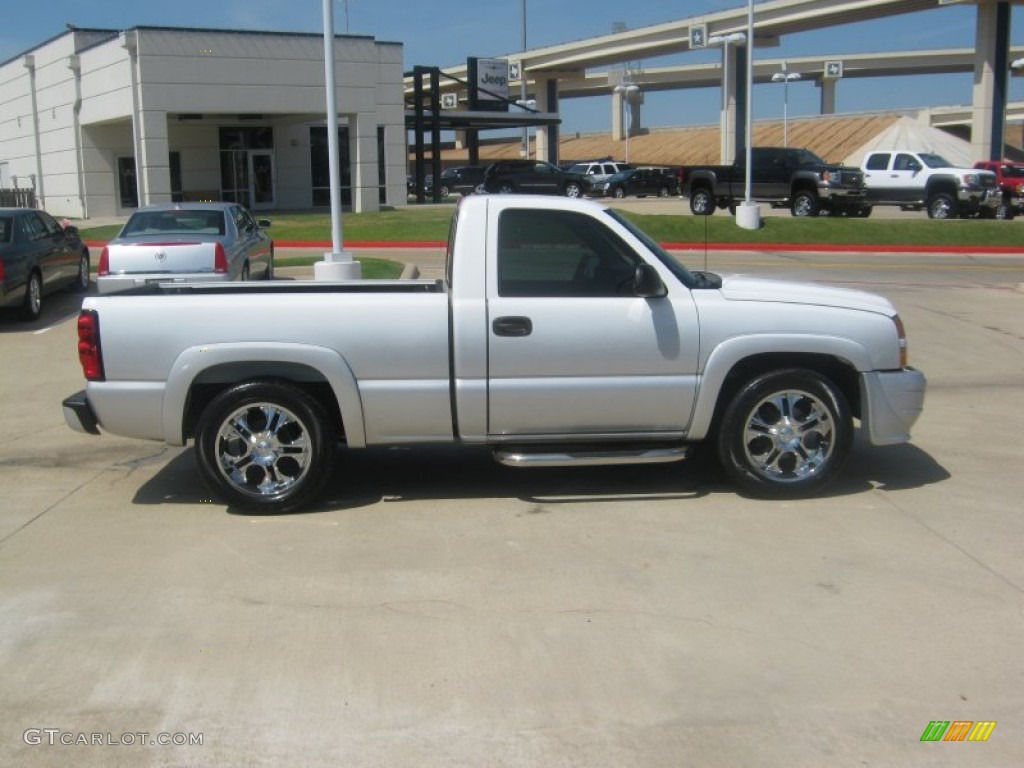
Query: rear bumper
{"x": 115, "y": 283}
{"x": 78, "y": 414}
{"x": 891, "y": 402}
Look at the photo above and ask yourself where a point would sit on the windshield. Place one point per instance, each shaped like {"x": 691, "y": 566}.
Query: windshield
{"x": 935, "y": 161}
{"x": 1014, "y": 171}
{"x": 176, "y": 222}
{"x": 805, "y": 157}
{"x": 685, "y": 276}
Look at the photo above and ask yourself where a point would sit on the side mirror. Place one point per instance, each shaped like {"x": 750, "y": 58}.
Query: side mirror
{"x": 70, "y": 229}
{"x": 264, "y": 223}
{"x": 647, "y": 283}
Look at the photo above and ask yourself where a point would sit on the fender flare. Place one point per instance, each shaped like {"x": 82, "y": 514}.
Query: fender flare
{"x": 327, "y": 362}
{"x": 729, "y": 353}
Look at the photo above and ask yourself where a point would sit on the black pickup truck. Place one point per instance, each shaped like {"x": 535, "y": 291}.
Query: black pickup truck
{"x": 784, "y": 177}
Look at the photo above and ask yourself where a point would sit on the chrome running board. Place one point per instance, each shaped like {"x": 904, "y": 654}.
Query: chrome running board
{"x": 545, "y": 456}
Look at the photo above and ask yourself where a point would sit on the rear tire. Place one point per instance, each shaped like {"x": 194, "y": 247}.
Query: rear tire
{"x": 573, "y": 189}
{"x": 32, "y": 304}
{"x": 785, "y": 434}
{"x": 265, "y": 446}
{"x": 619, "y": 193}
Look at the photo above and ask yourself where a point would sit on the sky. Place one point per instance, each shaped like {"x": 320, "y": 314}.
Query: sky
{"x": 445, "y": 33}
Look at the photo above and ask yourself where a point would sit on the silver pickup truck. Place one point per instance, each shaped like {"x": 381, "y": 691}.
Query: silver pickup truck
{"x": 560, "y": 335}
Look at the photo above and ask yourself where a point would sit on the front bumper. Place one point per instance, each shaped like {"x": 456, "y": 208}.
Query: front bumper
{"x": 78, "y": 414}
{"x": 976, "y": 197}
{"x": 891, "y": 402}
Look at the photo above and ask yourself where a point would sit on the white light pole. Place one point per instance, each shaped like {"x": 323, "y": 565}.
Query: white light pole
{"x": 748, "y": 213}
{"x": 735, "y": 38}
{"x": 629, "y": 92}
{"x": 525, "y": 152}
{"x": 785, "y": 77}
{"x": 338, "y": 264}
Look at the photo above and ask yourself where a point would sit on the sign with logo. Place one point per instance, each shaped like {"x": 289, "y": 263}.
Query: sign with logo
{"x": 488, "y": 84}
{"x": 698, "y": 35}
{"x": 833, "y": 69}
{"x": 449, "y": 101}
{"x": 514, "y": 68}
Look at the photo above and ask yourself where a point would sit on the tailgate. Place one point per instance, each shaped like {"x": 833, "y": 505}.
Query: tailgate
{"x": 162, "y": 256}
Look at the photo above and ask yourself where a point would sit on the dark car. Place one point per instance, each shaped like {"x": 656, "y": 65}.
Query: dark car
{"x": 38, "y": 257}
{"x": 641, "y": 182}
{"x": 533, "y": 177}
{"x": 463, "y": 179}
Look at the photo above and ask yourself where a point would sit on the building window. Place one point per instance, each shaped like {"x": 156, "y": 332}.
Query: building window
{"x": 320, "y": 166}
{"x": 176, "y": 194}
{"x": 382, "y": 172}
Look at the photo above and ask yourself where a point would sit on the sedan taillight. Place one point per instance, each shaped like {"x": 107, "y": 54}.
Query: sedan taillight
{"x": 220, "y": 260}
{"x": 104, "y": 268}
{"x": 89, "y": 353}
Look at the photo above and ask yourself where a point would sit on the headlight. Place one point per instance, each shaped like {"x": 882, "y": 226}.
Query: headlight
{"x": 971, "y": 179}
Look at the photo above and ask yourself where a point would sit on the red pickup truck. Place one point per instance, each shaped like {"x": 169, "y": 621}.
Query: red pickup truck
{"x": 1010, "y": 176}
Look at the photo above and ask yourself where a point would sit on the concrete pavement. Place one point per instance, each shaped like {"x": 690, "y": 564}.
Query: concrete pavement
{"x": 439, "y": 610}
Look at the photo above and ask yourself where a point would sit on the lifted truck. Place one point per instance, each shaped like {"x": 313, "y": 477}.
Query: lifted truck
{"x": 916, "y": 180}
{"x": 561, "y": 335}
{"x": 793, "y": 178}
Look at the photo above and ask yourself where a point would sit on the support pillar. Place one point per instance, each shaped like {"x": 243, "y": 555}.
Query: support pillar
{"x": 363, "y": 151}
{"x": 546, "y": 136}
{"x": 153, "y": 164}
{"x": 731, "y": 60}
{"x": 828, "y": 96}
{"x": 991, "y": 72}
{"x": 618, "y": 129}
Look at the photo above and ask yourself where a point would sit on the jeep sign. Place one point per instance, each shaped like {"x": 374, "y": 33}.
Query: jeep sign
{"x": 492, "y": 79}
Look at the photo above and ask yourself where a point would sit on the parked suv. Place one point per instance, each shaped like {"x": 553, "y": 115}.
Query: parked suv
{"x": 640, "y": 182}
{"x": 533, "y": 177}
{"x": 463, "y": 179}
{"x": 599, "y": 170}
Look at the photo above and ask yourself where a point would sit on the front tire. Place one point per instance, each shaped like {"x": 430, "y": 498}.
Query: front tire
{"x": 265, "y": 446}
{"x": 805, "y": 204}
{"x": 619, "y": 193}
{"x": 785, "y": 434}
{"x": 701, "y": 203}
{"x": 81, "y": 284}
{"x": 941, "y": 206}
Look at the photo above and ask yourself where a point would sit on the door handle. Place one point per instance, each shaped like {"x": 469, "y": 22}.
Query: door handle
{"x": 512, "y": 326}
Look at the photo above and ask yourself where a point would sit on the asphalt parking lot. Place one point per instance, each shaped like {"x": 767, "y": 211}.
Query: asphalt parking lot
{"x": 440, "y": 610}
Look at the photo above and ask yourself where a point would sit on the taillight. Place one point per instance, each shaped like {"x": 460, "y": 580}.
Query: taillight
{"x": 901, "y": 334}
{"x": 89, "y": 353}
{"x": 104, "y": 268}
{"x": 2, "y": 275}
{"x": 220, "y": 259}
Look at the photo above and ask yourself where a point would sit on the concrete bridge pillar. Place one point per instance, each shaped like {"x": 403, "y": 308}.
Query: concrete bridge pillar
{"x": 991, "y": 73}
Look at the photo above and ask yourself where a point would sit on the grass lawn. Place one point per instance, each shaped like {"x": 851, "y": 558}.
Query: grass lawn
{"x": 431, "y": 223}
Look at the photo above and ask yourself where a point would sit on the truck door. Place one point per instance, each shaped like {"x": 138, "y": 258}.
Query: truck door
{"x": 571, "y": 352}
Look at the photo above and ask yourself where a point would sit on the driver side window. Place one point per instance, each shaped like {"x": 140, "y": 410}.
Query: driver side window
{"x": 561, "y": 253}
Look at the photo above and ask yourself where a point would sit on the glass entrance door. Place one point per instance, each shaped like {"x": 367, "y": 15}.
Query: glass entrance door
{"x": 261, "y": 178}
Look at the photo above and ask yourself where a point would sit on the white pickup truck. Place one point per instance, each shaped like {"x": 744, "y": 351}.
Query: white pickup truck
{"x": 560, "y": 335}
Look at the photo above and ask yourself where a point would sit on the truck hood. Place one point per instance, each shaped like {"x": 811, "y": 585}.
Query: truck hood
{"x": 746, "y": 288}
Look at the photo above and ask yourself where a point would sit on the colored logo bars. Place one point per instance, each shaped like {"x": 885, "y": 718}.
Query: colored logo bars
{"x": 958, "y": 730}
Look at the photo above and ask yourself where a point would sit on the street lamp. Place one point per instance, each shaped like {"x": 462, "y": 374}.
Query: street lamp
{"x": 724, "y": 41}
{"x": 629, "y": 92}
{"x": 785, "y": 77}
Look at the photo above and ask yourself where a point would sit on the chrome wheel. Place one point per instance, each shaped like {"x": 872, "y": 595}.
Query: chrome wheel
{"x": 805, "y": 204}
{"x": 941, "y": 206}
{"x": 701, "y": 203}
{"x": 32, "y": 304}
{"x": 785, "y": 433}
{"x": 572, "y": 189}
{"x": 266, "y": 445}
{"x": 788, "y": 436}
{"x": 262, "y": 450}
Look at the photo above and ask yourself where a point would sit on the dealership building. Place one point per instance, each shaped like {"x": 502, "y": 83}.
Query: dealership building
{"x": 98, "y": 122}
